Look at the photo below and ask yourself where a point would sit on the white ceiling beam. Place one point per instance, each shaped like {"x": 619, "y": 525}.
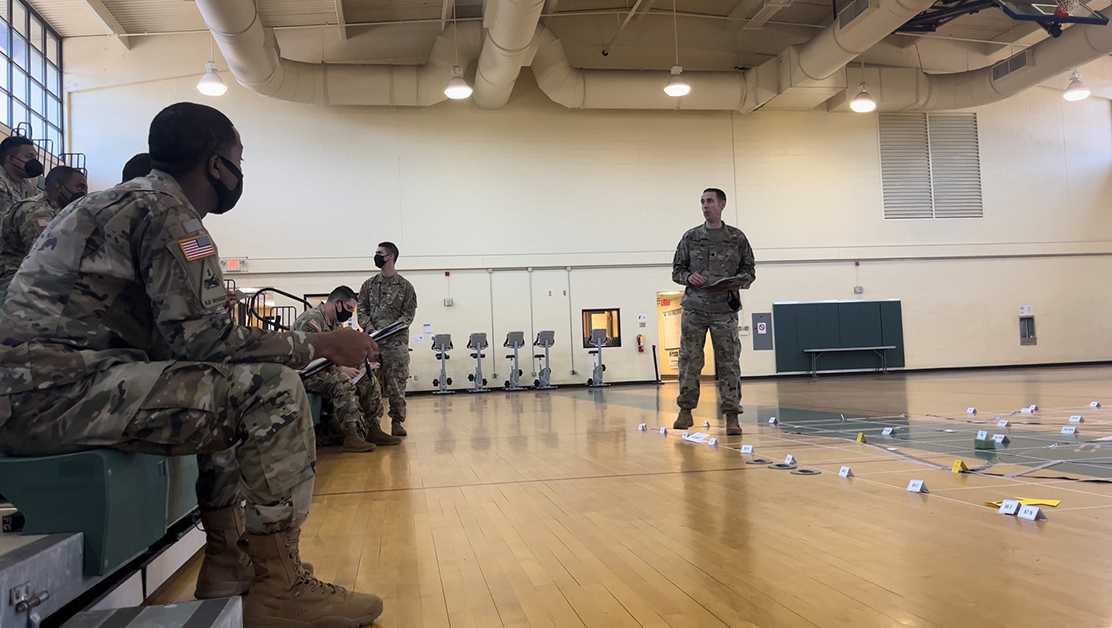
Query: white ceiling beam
{"x": 646, "y": 6}
{"x": 108, "y": 22}
{"x": 445, "y": 13}
{"x": 742, "y": 10}
{"x": 340, "y": 21}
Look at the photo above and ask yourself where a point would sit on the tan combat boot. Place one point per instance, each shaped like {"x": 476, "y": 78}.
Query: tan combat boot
{"x": 377, "y": 436}
{"x": 285, "y": 595}
{"x": 226, "y": 568}
{"x": 732, "y": 427}
{"x": 353, "y": 441}
{"x": 396, "y": 428}
{"x": 684, "y": 420}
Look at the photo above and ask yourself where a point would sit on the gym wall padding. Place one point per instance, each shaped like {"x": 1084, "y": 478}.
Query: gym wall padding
{"x": 837, "y": 324}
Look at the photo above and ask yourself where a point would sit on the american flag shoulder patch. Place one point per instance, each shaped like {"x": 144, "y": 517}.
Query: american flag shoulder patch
{"x": 315, "y": 325}
{"x": 197, "y": 247}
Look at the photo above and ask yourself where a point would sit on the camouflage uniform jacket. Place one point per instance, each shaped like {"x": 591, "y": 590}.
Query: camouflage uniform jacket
{"x": 12, "y": 192}
{"x": 314, "y": 320}
{"x": 385, "y": 300}
{"x": 122, "y": 276}
{"x": 714, "y": 254}
{"x": 19, "y": 229}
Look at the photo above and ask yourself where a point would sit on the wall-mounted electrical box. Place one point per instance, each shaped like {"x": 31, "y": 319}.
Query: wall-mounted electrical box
{"x": 1027, "y": 325}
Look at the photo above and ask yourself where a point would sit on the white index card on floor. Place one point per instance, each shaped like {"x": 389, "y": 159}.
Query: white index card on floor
{"x": 1069, "y": 430}
{"x": 773, "y": 421}
{"x": 1026, "y": 410}
{"x": 1002, "y": 423}
{"x": 706, "y": 423}
{"x": 712, "y": 442}
{"x": 1009, "y": 507}
{"x": 845, "y": 472}
{"x": 642, "y": 427}
{"x": 664, "y": 431}
{"x": 1033, "y": 408}
{"x": 1032, "y": 513}
{"x": 1000, "y": 438}
{"x": 888, "y": 431}
{"x": 697, "y": 437}
{"x": 1077, "y": 418}
{"x": 746, "y": 449}
{"x": 789, "y": 459}
{"x": 917, "y": 486}
{"x": 971, "y": 410}
{"x": 982, "y": 435}
{"x": 1095, "y": 404}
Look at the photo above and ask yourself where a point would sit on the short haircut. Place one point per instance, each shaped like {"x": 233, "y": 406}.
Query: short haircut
{"x": 390, "y": 247}
{"x": 719, "y": 193}
{"x": 343, "y": 293}
{"x": 185, "y": 134}
{"x": 137, "y": 166}
{"x": 11, "y": 144}
{"x": 60, "y": 174}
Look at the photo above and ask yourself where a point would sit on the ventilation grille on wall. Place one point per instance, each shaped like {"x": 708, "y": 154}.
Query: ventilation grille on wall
{"x": 930, "y": 166}
{"x": 851, "y": 12}
{"x": 1009, "y": 65}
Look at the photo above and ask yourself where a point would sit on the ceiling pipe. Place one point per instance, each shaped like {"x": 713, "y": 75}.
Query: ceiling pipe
{"x": 256, "y": 62}
{"x": 504, "y": 49}
{"x": 802, "y": 77}
{"x": 910, "y": 89}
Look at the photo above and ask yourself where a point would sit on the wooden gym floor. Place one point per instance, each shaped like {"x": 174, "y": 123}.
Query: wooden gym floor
{"x": 553, "y": 509}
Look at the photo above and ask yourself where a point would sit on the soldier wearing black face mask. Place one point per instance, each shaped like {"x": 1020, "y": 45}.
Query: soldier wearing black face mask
{"x": 21, "y": 226}
{"x": 19, "y": 165}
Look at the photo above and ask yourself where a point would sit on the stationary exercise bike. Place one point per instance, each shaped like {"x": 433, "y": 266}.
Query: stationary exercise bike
{"x": 598, "y": 341}
{"x": 514, "y": 340}
{"x": 442, "y": 344}
{"x": 545, "y": 340}
{"x": 477, "y": 342}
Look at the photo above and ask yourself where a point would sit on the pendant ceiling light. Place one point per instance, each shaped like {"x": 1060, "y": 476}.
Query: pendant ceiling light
{"x": 457, "y": 88}
{"x": 211, "y": 84}
{"x": 677, "y": 86}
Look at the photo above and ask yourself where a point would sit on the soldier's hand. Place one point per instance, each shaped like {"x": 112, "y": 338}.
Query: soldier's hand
{"x": 696, "y": 279}
{"x": 344, "y": 347}
{"x": 350, "y": 372}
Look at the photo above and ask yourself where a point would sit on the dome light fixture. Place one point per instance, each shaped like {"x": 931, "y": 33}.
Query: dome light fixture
{"x": 211, "y": 84}
{"x": 677, "y": 86}
{"x": 457, "y": 88}
{"x": 1076, "y": 90}
{"x": 863, "y": 102}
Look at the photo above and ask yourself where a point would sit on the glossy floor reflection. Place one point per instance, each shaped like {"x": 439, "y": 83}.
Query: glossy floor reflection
{"x": 552, "y": 509}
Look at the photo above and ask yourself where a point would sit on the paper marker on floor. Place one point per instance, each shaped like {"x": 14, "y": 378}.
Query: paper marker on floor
{"x": 845, "y": 472}
{"x": 917, "y": 486}
{"x": 861, "y": 438}
{"x": 959, "y": 466}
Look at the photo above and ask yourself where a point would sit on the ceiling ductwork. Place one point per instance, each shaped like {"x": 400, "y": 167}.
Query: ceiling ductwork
{"x": 803, "y": 77}
{"x": 512, "y": 24}
{"x": 910, "y": 89}
{"x": 255, "y": 61}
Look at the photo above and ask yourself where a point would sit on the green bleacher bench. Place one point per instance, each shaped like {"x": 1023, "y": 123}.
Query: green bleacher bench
{"x": 315, "y": 405}
{"x": 122, "y": 502}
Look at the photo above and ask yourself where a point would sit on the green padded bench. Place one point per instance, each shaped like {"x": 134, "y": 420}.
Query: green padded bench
{"x": 123, "y": 503}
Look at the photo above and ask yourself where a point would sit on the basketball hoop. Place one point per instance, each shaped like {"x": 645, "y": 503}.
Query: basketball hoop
{"x": 1067, "y": 8}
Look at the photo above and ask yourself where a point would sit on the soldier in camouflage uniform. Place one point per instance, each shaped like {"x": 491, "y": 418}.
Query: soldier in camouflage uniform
{"x": 384, "y": 300}
{"x": 19, "y": 165}
{"x": 355, "y": 395}
{"x": 21, "y": 226}
{"x": 713, "y": 261}
{"x": 113, "y": 334}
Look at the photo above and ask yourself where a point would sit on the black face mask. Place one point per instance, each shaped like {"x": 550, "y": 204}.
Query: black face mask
{"x": 227, "y": 198}
{"x": 380, "y": 260}
{"x": 73, "y": 196}
{"x": 32, "y": 168}
{"x": 342, "y": 314}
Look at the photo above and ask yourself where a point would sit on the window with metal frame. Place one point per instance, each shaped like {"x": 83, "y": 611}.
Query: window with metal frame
{"x": 31, "y": 80}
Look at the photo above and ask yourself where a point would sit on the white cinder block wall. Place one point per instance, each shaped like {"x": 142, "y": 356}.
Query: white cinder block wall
{"x": 487, "y": 195}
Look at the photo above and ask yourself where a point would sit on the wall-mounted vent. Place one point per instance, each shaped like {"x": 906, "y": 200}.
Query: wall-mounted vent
{"x": 852, "y": 11}
{"x": 1009, "y": 65}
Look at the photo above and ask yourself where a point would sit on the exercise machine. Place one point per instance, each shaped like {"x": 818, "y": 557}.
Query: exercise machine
{"x": 545, "y": 340}
{"x": 442, "y": 344}
{"x": 598, "y": 341}
{"x": 477, "y": 342}
{"x": 514, "y": 340}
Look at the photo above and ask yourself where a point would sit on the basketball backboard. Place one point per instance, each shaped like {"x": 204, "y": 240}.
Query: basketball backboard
{"x": 1051, "y": 12}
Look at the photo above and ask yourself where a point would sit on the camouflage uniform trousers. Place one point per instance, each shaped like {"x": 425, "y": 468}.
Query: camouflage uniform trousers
{"x": 394, "y": 357}
{"x": 727, "y": 357}
{"x": 358, "y": 403}
{"x": 249, "y": 425}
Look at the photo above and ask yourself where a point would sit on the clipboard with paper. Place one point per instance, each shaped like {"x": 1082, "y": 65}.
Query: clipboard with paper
{"x": 320, "y": 364}
{"x": 735, "y": 282}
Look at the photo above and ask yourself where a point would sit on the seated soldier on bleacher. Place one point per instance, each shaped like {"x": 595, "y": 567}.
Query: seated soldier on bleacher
{"x": 21, "y": 226}
{"x": 355, "y": 396}
{"x": 113, "y": 334}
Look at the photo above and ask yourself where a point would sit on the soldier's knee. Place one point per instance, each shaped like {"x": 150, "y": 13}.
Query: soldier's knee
{"x": 278, "y": 385}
